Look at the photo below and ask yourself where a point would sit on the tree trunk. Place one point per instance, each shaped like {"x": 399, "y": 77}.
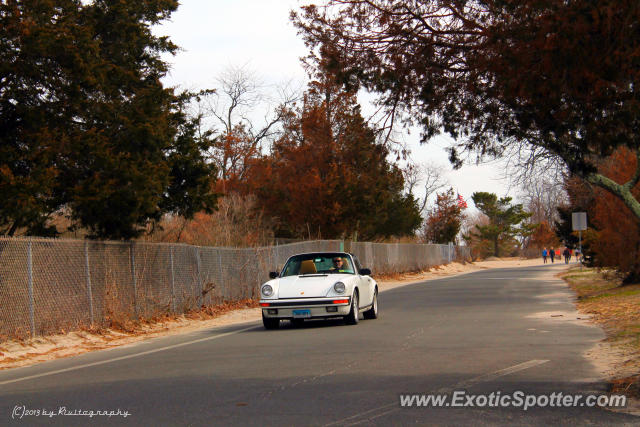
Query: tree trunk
{"x": 13, "y": 228}
{"x": 632, "y": 278}
{"x": 622, "y": 191}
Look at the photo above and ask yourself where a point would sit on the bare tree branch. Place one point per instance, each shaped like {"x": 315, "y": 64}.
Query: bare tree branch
{"x": 239, "y": 96}
{"x": 429, "y": 176}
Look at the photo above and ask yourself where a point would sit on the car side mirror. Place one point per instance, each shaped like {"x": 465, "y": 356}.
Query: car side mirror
{"x": 365, "y": 272}
{"x": 273, "y": 274}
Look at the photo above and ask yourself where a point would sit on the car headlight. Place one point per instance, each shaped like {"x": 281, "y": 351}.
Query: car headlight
{"x": 339, "y": 287}
{"x": 267, "y": 290}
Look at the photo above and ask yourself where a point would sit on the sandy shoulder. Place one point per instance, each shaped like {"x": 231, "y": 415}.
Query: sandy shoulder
{"x": 23, "y": 353}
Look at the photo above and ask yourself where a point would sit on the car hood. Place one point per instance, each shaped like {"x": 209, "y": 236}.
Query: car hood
{"x": 308, "y": 286}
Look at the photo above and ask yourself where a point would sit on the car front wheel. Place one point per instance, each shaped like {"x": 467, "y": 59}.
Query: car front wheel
{"x": 372, "y": 313}
{"x": 354, "y": 315}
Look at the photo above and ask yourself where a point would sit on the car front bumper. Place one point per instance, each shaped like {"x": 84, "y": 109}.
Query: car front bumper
{"x": 306, "y": 308}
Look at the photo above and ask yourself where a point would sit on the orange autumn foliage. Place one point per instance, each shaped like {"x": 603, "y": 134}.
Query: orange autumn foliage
{"x": 236, "y": 222}
{"x": 328, "y": 177}
{"x": 544, "y": 237}
{"x": 617, "y": 240}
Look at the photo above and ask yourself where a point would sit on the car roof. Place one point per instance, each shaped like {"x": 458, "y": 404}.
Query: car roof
{"x": 322, "y": 253}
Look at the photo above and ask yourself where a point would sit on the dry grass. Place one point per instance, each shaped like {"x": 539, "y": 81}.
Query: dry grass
{"x": 237, "y": 222}
{"x": 407, "y": 275}
{"x": 142, "y": 327}
{"x": 628, "y": 385}
{"x": 214, "y": 311}
{"x": 616, "y": 308}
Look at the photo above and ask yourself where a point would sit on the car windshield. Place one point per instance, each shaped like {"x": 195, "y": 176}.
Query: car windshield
{"x": 318, "y": 263}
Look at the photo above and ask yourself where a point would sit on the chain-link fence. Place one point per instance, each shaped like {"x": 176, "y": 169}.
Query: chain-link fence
{"x": 51, "y": 285}
{"x": 401, "y": 257}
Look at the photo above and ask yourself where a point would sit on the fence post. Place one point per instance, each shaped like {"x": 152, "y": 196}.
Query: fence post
{"x": 132, "y": 258}
{"x": 87, "y": 272}
{"x": 223, "y": 289}
{"x": 173, "y": 291}
{"x": 198, "y": 275}
{"x": 30, "y": 284}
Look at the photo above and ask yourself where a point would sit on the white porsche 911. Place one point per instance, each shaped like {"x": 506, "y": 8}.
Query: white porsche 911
{"x": 319, "y": 285}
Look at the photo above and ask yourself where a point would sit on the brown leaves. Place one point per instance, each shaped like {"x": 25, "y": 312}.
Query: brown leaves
{"x": 617, "y": 241}
{"x": 444, "y": 220}
{"x": 557, "y": 75}
{"x": 544, "y": 236}
{"x": 327, "y": 176}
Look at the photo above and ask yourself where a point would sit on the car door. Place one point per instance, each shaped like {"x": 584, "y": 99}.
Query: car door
{"x": 365, "y": 285}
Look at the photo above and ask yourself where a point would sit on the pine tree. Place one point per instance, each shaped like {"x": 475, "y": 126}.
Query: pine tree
{"x": 328, "y": 176}
{"x": 86, "y": 124}
{"x": 503, "y": 219}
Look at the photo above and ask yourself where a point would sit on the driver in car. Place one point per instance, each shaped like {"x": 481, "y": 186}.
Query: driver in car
{"x": 338, "y": 265}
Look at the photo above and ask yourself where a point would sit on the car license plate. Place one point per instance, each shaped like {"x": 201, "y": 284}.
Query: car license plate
{"x": 301, "y": 313}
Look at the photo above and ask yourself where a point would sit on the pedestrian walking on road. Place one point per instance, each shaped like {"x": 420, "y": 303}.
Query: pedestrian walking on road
{"x": 552, "y": 254}
{"x": 544, "y": 255}
{"x": 567, "y": 255}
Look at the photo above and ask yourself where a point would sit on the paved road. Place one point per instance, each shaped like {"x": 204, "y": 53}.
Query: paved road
{"x": 470, "y": 332}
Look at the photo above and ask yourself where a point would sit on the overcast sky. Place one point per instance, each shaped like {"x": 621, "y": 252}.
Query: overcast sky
{"x": 257, "y": 34}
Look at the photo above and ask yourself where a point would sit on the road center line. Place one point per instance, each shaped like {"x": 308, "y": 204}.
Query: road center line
{"x": 352, "y": 420}
{"x": 493, "y": 375}
{"x": 129, "y": 356}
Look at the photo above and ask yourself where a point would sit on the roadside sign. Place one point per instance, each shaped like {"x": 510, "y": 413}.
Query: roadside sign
{"x": 579, "y": 221}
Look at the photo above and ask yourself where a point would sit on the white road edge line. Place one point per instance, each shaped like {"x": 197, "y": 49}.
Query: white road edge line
{"x": 467, "y": 383}
{"x": 129, "y": 356}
